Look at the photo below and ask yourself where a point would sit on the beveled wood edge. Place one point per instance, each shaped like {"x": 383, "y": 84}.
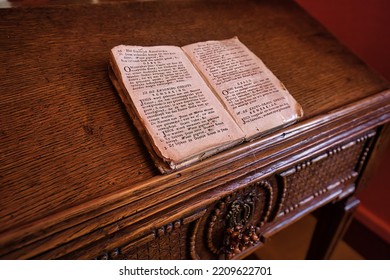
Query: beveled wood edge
{"x": 372, "y": 106}
{"x": 137, "y": 230}
{"x": 140, "y": 230}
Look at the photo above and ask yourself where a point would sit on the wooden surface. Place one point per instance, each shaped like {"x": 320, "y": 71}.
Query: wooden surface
{"x": 68, "y": 150}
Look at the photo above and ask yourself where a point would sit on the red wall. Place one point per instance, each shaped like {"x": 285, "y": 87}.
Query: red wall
{"x": 364, "y": 27}
{"x": 361, "y": 25}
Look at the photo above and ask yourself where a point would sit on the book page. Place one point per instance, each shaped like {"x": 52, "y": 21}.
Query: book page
{"x": 256, "y": 99}
{"x": 179, "y": 111}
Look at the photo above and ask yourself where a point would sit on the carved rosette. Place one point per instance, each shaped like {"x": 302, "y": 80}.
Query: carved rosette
{"x": 235, "y": 222}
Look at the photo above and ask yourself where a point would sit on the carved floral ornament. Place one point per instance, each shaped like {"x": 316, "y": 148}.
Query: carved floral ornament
{"x": 236, "y": 221}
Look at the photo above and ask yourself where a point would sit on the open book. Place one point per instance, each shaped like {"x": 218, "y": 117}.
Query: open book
{"x": 191, "y": 102}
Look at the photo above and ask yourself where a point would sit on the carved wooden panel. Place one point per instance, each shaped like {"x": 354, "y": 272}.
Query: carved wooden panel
{"x": 233, "y": 224}
{"x": 165, "y": 243}
{"x": 319, "y": 174}
{"x": 236, "y": 222}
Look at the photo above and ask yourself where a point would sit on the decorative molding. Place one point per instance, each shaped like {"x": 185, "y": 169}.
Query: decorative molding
{"x": 112, "y": 255}
{"x": 367, "y": 149}
{"x": 348, "y": 158}
{"x": 235, "y": 222}
{"x": 193, "y": 253}
{"x": 239, "y": 238}
{"x": 156, "y": 244}
{"x": 167, "y": 229}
